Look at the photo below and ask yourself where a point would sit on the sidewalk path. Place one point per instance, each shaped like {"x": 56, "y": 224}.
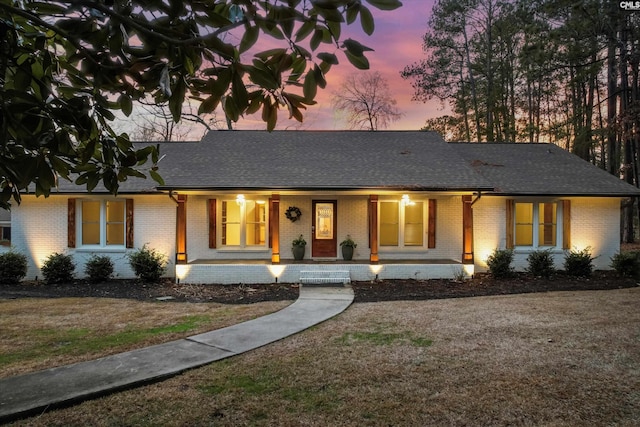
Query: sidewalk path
{"x": 37, "y": 392}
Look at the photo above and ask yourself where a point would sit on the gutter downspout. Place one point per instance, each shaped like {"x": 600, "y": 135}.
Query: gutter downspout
{"x": 478, "y": 197}
{"x": 172, "y": 197}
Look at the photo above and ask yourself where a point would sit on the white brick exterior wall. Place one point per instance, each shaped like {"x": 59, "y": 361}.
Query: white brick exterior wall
{"x": 39, "y": 228}
{"x": 595, "y": 222}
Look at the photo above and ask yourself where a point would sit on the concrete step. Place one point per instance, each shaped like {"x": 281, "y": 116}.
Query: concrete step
{"x": 324, "y": 276}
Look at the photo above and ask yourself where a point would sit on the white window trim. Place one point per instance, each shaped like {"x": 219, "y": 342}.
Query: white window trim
{"x": 243, "y": 230}
{"x": 102, "y": 247}
{"x": 401, "y": 223}
{"x": 535, "y": 246}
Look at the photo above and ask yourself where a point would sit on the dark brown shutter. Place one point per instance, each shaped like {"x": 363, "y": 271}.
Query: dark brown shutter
{"x": 510, "y": 212}
{"x": 212, "y": 223}
{"x": 71, "y": 223}
{"x": 566, "y": 224}
{"x": 431, "y": 240}
{"x": 129, "y": 220}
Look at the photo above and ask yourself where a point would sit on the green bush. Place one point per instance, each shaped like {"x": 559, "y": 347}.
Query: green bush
{"x": 626, "y": 264}
{"x": 58, "y": 268}
{"x": 148, "y": 264}
{"x": 99, "y": 268}
{"x": 541, "y": 263}
{"x": 13, "y": 267}
{"x": 499, "y": 263}
{"x": 579, "y": 263}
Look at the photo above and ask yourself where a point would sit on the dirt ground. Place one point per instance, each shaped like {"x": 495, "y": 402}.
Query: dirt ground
{"x": 383, "y": 290}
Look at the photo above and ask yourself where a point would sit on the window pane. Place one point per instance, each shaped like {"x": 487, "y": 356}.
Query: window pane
{"x": 389, "y": 222}
{"x": 115, "y": 234}
{"x": 115, "y": 211}
{"x": 90, "y": 223}
{"x": 547, "y": 227}
{"x": 230, "y": 223}
{"x": 115, "y": 223}
{"x": 524, "y": 224}
{"x": 255, "y": 223}
{"x": 413, "y": 224}
{"x": 324, "y": 221}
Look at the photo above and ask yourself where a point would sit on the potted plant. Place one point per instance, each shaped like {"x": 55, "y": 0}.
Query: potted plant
{"x": 297, "y": 248}
{"x": 348, "y": 245}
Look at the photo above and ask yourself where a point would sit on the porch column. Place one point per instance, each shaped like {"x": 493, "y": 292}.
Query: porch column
{"x": 274, "y": 219}
{"x": 181, "y": 229}
{"x": 373, "y": 228}
{"x": 467, "y": 230}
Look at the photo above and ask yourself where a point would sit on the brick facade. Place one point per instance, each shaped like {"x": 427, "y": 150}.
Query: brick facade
{"x": 39, "y": 228}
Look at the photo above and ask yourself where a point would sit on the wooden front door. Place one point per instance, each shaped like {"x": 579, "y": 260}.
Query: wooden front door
{"x": 324, "y": 243}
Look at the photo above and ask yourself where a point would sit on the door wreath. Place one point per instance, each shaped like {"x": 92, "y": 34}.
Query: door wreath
{"x": 293, "y": 214}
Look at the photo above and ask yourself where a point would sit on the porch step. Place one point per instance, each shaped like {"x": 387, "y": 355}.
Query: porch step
{"x": 324, "y": 276}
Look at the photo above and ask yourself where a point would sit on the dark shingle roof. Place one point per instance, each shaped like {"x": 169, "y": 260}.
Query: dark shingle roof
{"x": 540, "y": 169}
{"x": 394, "y": 160}
{"x": 318, "y": 160}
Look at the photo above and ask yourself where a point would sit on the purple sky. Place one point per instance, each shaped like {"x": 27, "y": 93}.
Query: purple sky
{"x": 397, "y": 42}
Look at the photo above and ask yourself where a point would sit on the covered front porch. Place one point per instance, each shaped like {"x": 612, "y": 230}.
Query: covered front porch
{"x": 234, "y": 238}
{"x": 310, "y": 271}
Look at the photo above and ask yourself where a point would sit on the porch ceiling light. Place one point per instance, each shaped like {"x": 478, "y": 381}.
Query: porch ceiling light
{"x": 240, "y": 199}
{"x": 406, "y": 201}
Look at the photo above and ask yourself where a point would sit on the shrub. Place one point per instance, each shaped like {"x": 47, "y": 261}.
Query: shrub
{"x": 13, "y": 267}
{"x": 579, "y": 263}
{"x": 148, "y": 264}
{"x": 626, "y": 264}
{"x": 541, "y": 263}
{"x": 499, "y": 263}
{"x": 58, "y": 268}
{"x": 99, "y": 268}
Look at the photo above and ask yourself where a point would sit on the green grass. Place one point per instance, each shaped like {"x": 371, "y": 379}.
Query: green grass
{"x": 55, "y": 342}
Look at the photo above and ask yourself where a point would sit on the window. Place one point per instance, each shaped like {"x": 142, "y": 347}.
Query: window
{"x": 5, "y": 233}
{"x": 536, "y": 224}
{"x": 102, "y": 222}
{"x": 402, "y": 224}
{"x": 244, "y": 223}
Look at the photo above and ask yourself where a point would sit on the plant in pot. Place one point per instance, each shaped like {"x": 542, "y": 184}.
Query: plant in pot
{"x": 348, "y": 245}
{"x": 297, "y": 248}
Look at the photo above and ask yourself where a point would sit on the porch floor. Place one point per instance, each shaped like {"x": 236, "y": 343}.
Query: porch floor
{"x": 323, "y": 262}
{"x": 291, "y": 271}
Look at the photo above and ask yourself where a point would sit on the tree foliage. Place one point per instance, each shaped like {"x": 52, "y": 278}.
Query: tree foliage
{"x": 366, "y": 101}
{"x": 67, "y": 65}
{"x": 538, "y": 71}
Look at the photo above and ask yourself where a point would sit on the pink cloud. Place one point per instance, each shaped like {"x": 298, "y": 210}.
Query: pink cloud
{"x": 397, "y": 42}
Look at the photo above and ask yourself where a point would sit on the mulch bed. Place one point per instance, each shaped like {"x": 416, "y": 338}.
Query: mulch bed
{"x": 383, "y": 290}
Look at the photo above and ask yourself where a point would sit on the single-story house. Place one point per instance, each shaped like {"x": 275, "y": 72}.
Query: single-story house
{"x": 417, "y": 207}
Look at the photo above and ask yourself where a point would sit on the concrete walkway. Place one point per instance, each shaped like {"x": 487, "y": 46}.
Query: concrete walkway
{"x": 36, "y": 392}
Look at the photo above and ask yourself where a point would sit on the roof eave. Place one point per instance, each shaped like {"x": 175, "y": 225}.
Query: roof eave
{"x": 407, "y": 188}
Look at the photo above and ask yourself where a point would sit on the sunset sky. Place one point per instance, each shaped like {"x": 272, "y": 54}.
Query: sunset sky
{"x": 397, "y": 42}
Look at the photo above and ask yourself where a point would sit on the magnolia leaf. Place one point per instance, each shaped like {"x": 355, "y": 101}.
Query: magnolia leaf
{"x": 329, "y": 58}
{"x": 360, "y": 62}
{"x": 366, "y": 20}
{"x": 126, "y": 106}
{"x": 385, "y": 4}
{"x": 208, "y": 105}
{"x": 306, "y": 29}
{"x": 156, "y": 177}
{"x": 249, "y": 38}
{"x": 355, "y": 47}
{"x": 310, "y": 88}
